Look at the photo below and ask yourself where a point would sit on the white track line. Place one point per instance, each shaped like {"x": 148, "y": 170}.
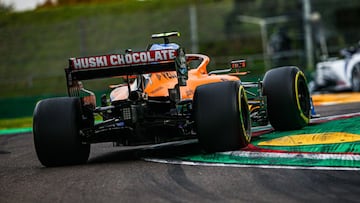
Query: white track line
{"x": 350, "y": 115}
{"x": 190, "y": 163}
{"x": 319, "y": 156}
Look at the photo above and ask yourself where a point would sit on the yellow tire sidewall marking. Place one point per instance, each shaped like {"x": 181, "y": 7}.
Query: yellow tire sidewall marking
{"x": 241, "y": 94}
{"x": 300, "y": 74}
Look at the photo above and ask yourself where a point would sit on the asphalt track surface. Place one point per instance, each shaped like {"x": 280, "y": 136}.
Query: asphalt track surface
{"x": 115, "y": 175}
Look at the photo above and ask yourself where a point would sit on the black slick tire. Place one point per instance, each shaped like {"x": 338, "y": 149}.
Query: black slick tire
{"x": 222, "y": 118}
{"x": 56, "y": 128}
{"x": 288, "y": 98}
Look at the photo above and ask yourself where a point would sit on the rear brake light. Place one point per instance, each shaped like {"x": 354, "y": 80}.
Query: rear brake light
{"x": 238, "y": 64}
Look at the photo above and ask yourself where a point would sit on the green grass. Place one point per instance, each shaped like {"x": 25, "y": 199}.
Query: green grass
{"x": 59, "y": 14}
{"x": 16, "y": 123}
{"x": 35, "y": 45}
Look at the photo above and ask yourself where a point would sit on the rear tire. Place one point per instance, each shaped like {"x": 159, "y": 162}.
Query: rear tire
{"x": 288, "y": 98}
{"x": 56, "y": 129}
{"x": 222, "y": 116}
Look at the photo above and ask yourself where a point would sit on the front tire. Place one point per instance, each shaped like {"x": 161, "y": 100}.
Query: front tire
{"x": 56, "y": 129}
{"x": 222, "y": 118}
{"x": 288, "y": 98}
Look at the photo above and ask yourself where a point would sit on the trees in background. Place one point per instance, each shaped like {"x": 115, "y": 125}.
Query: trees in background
{"x": 4, "y": 8}
{"x": 54, "y": 3}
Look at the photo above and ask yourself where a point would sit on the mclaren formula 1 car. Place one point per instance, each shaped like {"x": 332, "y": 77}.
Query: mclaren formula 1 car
{"x": 166, "y": 96}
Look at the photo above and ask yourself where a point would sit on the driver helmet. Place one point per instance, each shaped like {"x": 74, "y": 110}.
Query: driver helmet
{"x": 164, "y": 46}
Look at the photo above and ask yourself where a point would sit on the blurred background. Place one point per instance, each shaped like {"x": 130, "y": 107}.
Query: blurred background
{"x": 35, "y": 44}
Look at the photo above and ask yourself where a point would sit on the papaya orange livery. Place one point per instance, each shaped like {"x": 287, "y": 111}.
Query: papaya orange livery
{"x": 165, "y": 96}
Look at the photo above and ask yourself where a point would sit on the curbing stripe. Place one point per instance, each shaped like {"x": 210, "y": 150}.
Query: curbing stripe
{"x": 15, "y": 131}
{"x": 191, "y": 163}
{"x": 323, "y": 156}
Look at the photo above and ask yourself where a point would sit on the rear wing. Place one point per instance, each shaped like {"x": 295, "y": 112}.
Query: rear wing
{"x": 131, "y": 63}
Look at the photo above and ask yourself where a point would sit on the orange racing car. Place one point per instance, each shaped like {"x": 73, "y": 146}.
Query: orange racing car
{"x": 166, "y": 96}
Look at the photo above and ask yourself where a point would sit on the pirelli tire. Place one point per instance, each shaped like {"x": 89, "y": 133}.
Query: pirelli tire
{"x": 222, "y": 118}
{"x": 56, "y": 130}
{"x": 288, "y": 98}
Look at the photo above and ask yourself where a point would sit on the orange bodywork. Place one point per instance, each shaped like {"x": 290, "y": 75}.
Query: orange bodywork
{"x": 160, "y": 83}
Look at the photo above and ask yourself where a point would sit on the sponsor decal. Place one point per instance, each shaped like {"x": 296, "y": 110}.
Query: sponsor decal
{"x": 119, "y": 60}
{"x": 156, "y": 90}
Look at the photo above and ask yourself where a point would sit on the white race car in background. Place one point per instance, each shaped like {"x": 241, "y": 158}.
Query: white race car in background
{"x": 339, "y": 74}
